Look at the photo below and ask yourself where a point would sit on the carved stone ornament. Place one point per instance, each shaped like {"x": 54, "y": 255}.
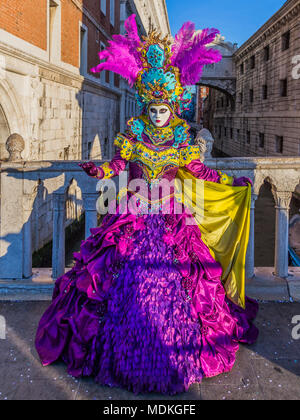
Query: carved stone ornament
{"x": 15, "y": 145}
{"x": 205, "y": 141}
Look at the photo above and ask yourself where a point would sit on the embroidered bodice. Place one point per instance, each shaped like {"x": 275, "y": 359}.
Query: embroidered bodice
{"x": 155, "y": 161}
{"x": 157, "y": 153}
{"x": 154, "y": 153}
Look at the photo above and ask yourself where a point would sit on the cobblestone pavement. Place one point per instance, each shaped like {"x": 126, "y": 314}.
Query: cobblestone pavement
{"x": 270, "y": 369}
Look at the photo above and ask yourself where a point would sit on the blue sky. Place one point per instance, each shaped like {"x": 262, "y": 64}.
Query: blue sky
{"x": 237, "y": 20}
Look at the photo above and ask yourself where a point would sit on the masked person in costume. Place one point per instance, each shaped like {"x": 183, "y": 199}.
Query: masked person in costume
{"x": 156, "y": 299}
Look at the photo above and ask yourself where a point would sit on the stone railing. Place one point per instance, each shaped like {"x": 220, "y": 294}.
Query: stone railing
{"x": 19, "y": 185}
{"x": 19, "y": 182}
{"x": 284, "y": 176}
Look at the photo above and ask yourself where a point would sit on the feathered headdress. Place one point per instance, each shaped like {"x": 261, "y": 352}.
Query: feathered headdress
{"x": 161, "y": 72}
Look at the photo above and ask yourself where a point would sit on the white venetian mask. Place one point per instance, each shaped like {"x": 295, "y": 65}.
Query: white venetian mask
{"x": 159, "y": 115}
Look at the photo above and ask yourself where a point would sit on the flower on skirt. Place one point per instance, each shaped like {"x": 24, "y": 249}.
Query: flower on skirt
{"x": 193, "y": 256}
{"x": 129, "y": 230}
{"x": 102, "y": 308}
{"x": 204, "y": 330}
{"x": 170, "y": 219}
{"x": 179, "y": 252}
{"x": 168, "y": 238}
{"x": 187, "y": 283}
{"x": 125, "y": 245}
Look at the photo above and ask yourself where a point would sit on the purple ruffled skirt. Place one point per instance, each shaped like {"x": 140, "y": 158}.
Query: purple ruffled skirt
{"x": 144, "y": 308}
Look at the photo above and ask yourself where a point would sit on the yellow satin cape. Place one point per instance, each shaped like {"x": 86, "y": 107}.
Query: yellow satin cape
{"x": 222, "y": 213}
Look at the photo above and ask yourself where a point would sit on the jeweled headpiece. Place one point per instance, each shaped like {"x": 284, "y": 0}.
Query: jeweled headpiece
{"x": 161, "y": 72}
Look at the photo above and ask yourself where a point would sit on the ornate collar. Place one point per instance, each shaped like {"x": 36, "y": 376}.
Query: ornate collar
{"x": 159, "y": 135}
{"x": 177, "y": 130}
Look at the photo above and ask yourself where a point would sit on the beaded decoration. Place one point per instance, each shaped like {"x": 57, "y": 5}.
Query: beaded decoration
{"x": 181, "y": 134}
{"x": 188, "y": 154}
{"x": 159, "y": 81}
{"x": 158, "y": 135}
{"x": 225, "y": 179}
{"x": 108, "y": 172}
{"x": 125, "y": 145}
{"x": 137, "y": 126}
{"x": 156, "y": 161}
{"x": 177, "y": 130}
{"x": 147, "y": 206}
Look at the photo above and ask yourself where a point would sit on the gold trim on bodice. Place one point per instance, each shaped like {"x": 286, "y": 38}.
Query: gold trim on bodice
{"x": 108, "y": 172}
{"x": 159, "y": 135}
{"x": 225, "y": 178}
{"x": 155, "y": 161}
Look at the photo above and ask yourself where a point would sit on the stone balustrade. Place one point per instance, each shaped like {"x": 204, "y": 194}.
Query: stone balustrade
{"x": 284, "y": 176}
{"x": 18, "y": 186}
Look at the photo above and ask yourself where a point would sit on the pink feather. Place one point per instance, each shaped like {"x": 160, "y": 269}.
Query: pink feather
{"x": 183, "y": 40}
{"x": 191, "y": 53}
{"x": 121, "y": 55}
{"x": 192, "y": 73}
{"x": 132, "y": 30}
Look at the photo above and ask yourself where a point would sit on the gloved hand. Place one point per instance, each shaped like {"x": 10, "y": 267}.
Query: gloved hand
{"x": 242, "y": 182}
{"x": 90, "y": 168}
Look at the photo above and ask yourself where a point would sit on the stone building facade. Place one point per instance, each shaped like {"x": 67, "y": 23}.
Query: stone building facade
{"x": 262, "y": 118}
{"x": 48, "y": 94}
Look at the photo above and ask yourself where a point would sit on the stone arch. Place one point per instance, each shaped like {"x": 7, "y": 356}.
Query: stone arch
{"x": 73, "y": 223}
{"x": 40, "y": 216}
{"x": 221, "y": 75}
{"x": 74, "y": 206}
{"x": 265, "y": 216}
{"x": 294, "y": 222}
{"x": 4, "y": 134}
{"x": 260, "y": 180}
{"x": 295, "y": 202}
{"x": 228, "y": 87}
{"x": 12, "y": 111}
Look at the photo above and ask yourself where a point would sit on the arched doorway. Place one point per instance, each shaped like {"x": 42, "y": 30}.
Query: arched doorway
{"x": 12, "y": 117}
{"x": 215, "y": 106}
{"x": 4, "y": 134}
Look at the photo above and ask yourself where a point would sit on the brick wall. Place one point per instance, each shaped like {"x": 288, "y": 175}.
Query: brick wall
{"x": 26, "y": 19}
{"x": 95, "y": 35}
{"x": 70, "y": 17}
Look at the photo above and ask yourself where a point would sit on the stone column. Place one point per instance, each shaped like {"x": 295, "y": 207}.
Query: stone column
{"x": 11, "y": 221}
{"x": 28, "y": 201}
{"x": 250, "y": 262}
{"x": 58, "y": 246}
{"x": 283, "y": 200}
{"x": 89, "y": 203}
